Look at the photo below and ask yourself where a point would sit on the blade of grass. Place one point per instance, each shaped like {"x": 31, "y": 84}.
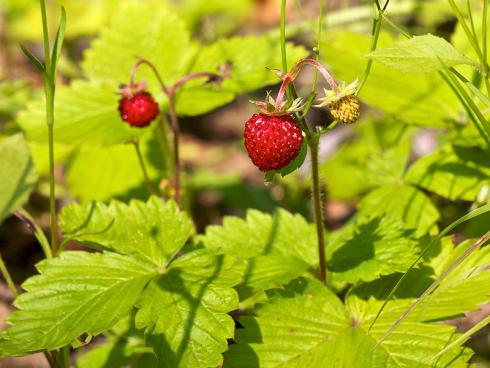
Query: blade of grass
{"x": 434, "y": 285}
{"x": 469, "y": 216}
{"x": 464, "y": 337}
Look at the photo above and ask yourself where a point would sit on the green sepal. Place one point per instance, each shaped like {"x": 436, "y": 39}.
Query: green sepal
{"x": 292, "y": 166}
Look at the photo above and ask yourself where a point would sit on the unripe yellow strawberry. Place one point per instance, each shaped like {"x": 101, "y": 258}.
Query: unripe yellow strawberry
{"x": 346, "y": 109}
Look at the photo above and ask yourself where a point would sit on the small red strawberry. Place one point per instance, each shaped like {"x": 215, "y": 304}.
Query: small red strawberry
{"x": 138, "y": 109}
{"x": 272, "y": 142}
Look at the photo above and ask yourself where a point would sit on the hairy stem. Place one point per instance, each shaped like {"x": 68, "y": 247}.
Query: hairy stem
{"x": 174, "y": 122}
{"x": 313, "y": 143}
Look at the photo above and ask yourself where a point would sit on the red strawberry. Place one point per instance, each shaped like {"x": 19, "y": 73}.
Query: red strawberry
{"x": 272, "y": 142}
{"x": 138, "y": 109}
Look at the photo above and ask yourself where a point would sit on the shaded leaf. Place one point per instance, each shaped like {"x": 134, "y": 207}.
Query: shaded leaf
{"x": 184, "y": 311}
{"x": 17, "y": 177}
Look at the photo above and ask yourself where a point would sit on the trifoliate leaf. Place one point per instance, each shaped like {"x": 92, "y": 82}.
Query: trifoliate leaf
{"x": 184, "y": 311}
{"x": 368, "y": 248}
{"x": 420, "y": 54}
{"x": 403, "y": 202}
{"x": 76, "y": 293}
{"x": 453, "y": 172}
{"x": 17, "y": 177}
{"x": 306, "y": 325}
{"x": 154, "y": 231}
{"x": 276, "y": 248}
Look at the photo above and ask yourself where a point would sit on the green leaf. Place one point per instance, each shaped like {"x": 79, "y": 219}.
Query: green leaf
{"x": 422, "y": 100}
{"x": 141, "y": 29}
{"x": 17, "y": 177}
{"x": 306, "y": 325}
{"x": 58, "y": 43}
{"x": 85, "y": 114}
{"x": 154, "y": 231}
{"x": 368, "y": 248}
{"x": 403, "y": 202}
{"x": 453, "y": 172}
{"x": 124, "y": 346}
{"x": 185, "y": 310}
{"x": 74, "y": 294}
{"x": 102, "y": 173}
{"x": 250, "y": 57}
{"x": 377, "y": 156}
{"x": 299, "y": 318}
{"x": 420, "y": 54}
{"x": 465, "y": 289}
{"x": 276, "y": 248}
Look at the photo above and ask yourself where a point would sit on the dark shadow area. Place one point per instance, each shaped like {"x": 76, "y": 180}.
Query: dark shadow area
{"x": 357, "y": 249}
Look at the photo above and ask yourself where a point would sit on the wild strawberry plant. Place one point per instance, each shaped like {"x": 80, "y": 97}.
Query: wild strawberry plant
{"x": 271, "y": 289}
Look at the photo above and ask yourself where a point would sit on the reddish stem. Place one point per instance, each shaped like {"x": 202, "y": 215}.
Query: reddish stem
{"x": 152, "y": 67}
{"x": 293, "y": 73}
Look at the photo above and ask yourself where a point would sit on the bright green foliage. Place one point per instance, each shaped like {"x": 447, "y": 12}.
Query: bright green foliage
{"x": 422, "y": 100}
{"x": 17, "y": 177}
{"x": 305, "y": 324}
{"x": 454, "y": 172}
{"x": 146, "y": 30}
{"x": 102, "y": 173}
{"x": 185, "y": 310}
{"x": 74, "y": 294}
{"x": 465, "y": 289}
{"x": 420, "y": 54}
{"x": 368, "y": 248}
{"x": 182, "y": 303}
{"x": 377, "y": 155}
{"x": 404, "y": 202}
{"x": 86, "y": 113}
{"x": 276, "y": 248}
{"x": 153, "y": 230}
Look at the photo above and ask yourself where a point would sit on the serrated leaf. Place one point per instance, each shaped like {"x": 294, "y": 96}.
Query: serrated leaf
{"x": 154, "y": 231}
{"x": 422, "y": 100}
{"x": 85, "y": 113}
{"x": 368, "y": 248}
{"x": 140, "y": 29}
{"x": 184, "y": 311}
{"x": 406, "y": 203}
{"x": 297, "y": 320}
{"x": 306, "y": 325}
{"x": 420, "y": 54}
{"x": 17, "y": 177}
{"x": 453, "y": 172}
{"x": 276, "y": 248}
{"x": 74, "y": 294}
